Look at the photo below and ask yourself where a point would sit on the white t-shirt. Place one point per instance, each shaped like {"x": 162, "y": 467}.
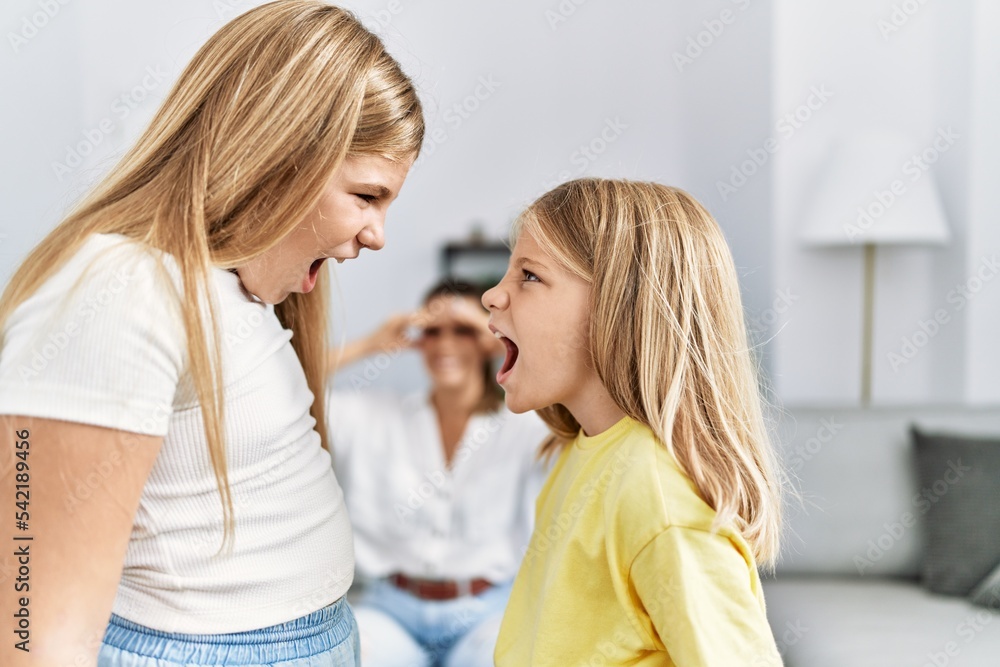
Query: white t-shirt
{"x": 113, "y": 354}
{"x": 413, "y": 514}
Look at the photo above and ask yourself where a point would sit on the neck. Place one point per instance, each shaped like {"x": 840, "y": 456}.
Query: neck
{"x": 594, "y": 409}
{"x": 459, "y": 400}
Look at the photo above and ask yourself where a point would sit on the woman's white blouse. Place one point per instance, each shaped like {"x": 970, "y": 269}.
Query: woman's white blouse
{"x": 413, "y": 514}
{"x": 112, "y": 353}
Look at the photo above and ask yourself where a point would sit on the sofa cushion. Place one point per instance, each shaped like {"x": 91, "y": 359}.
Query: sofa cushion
{"x": 987, "y": 592}
{"x": 960, "y": 497}
{"x": 877, "y": 622}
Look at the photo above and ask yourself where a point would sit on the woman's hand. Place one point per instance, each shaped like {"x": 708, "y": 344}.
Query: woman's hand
{"x": 391, "y": 335}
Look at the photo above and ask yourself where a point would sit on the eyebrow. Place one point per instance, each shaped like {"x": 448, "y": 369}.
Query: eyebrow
{"x": 374, "y": 189}
{"x": 522, "y": 261}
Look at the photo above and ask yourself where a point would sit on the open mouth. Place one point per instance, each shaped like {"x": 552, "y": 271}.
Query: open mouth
{"x": 310, "y": 279}
{"x": 510, "y": 358}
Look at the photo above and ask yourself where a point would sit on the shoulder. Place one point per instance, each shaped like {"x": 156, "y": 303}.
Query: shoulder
{"x": 100, "y": 340}
{"x": 653, "y": 501}
{"x": 699, "y": 545}
{"x": 109, "y": 280}
{"x": 649, "y": 487}
{"x": 126, "y": 282}
{"x": 123, "y": 260}
{"x": 108, "y": 277}
{"x": 371, "y": 423}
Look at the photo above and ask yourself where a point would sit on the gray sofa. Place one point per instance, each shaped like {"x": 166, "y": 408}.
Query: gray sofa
{"x": 847, "y": 592}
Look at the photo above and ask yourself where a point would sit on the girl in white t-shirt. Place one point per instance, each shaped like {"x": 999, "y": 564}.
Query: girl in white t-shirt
{"x": 163, "y": 362}
{"x": 440, "y": 486}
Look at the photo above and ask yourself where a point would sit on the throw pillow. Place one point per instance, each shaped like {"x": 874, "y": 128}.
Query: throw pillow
{"x": 987, "y": 593}
{"x": 960, "y": 498}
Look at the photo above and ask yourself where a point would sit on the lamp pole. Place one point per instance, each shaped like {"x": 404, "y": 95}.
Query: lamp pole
{"x": 867, "y": 325}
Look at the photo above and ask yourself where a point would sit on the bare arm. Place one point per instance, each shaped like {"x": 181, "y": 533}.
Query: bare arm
{"x": 83, "y": 485}
{"x": 388, "y": 337}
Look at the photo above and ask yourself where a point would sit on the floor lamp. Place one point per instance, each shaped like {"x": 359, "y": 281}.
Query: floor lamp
{"x": 861, "y": 201}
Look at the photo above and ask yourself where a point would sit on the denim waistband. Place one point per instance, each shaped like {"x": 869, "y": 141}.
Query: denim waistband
{"x": 302, "y": 637}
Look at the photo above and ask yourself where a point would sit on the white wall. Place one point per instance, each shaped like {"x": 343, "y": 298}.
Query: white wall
{"x": 563, "y": 83}
{"x": 982, "y": 352}
{"x": 918, "y": 69}
{"x": 696, "y": 90}
{"x": 563, "y": 77}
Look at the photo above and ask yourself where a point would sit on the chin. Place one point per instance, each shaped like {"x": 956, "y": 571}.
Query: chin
{"x": 448, "y": 381}
{"x": 268, "y": 297}
{"x": 513, "y": 407}
{"x": 519, "y": 405}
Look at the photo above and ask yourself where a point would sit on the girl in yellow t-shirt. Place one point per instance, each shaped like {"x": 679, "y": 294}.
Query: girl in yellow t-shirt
{"x": 624, "y": 329}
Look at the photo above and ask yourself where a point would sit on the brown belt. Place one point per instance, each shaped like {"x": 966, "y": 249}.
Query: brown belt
{"x": 439, "y": 589}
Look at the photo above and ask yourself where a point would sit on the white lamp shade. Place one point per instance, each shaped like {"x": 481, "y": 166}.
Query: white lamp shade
{"x": 877, "y": 188}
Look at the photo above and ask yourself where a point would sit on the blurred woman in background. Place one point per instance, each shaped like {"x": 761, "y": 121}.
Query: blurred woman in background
{"x": 440, "y": 488}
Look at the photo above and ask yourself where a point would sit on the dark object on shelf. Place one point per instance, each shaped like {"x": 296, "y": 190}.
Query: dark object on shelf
{"x": 475, "y": 261}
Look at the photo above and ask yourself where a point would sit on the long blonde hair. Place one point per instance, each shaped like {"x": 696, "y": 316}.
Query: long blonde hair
{"x": 234, "y": 159}
{"x": 668, "y": 338}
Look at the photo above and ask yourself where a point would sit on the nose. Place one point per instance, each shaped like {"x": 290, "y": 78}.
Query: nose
{"x": 448, "y": 340}
{"x": 373, "y": 235}
{"x": 445, "y": 342}
{"x": 495, "y": 297}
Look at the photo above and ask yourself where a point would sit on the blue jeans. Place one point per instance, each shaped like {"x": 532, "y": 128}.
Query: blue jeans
{"x": 401, "y": 630}
{"x": 328, "y": 637}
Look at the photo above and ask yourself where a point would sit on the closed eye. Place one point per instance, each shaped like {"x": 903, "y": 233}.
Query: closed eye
{"x": 366, "y": 197}
{"x": 530, "y": 277}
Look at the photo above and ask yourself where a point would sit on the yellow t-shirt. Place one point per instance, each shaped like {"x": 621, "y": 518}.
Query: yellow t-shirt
{"x": 622, "y": 568}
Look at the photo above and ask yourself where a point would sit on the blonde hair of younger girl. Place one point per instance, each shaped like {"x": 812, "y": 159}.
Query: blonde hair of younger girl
{"x": 668, "y": 339}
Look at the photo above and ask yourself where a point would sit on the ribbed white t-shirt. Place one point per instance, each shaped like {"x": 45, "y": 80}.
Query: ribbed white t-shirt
{"x": 113, "y": 353}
